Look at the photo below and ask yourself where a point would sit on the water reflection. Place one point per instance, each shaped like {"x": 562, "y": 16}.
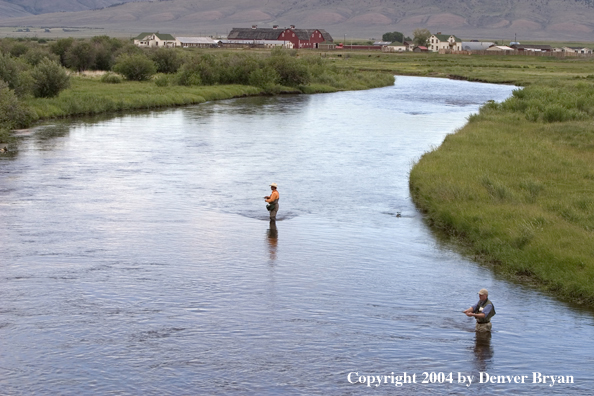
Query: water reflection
{"x": 272, "y": 237}
{"x": 483, "y": 351}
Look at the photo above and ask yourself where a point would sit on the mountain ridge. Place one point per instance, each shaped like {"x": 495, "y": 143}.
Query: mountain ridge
{"x": 497, "y": 19}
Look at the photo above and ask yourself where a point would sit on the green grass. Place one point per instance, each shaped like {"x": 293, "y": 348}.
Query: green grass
{"x": 91, "y": 96}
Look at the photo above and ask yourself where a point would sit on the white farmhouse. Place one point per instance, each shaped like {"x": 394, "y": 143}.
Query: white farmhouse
{"x": 440, "y": 41}
{"x": 156, "y": 40}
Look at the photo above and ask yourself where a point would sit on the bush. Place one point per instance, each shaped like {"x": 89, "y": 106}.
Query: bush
{"x": 49, "y": 78}
{"x": 166, "y": 59}
{"x": 135, "y": 67}
{"x": 13, "y": 114}
{"x": 111, "y": 78}
{"x": 80, "y": 56}
{"x": 35, "y": 55}
{"x": 14, "y": 73}
{"x": 264, "y": 78}
{"x": 162, "y": 81}
{"x": 60, "y": 48}
{"x": 189, "y": 74}
{"x": 292, "y": 72}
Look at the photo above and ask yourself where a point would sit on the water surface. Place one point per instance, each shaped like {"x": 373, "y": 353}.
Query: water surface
{"x": 137, "y": 257}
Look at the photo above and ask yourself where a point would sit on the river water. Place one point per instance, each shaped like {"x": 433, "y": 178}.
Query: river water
{"x": 136, "y": 257}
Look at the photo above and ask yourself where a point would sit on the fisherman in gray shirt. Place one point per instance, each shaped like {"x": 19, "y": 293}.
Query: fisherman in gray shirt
{"x": 482, "y": 311}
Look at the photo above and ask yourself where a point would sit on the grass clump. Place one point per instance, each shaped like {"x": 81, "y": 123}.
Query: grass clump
{"x": 111, "y": 78}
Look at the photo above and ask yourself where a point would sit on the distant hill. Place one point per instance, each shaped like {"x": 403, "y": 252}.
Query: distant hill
{"x": 558, "y": 20}
{"x": 21, "y": 8}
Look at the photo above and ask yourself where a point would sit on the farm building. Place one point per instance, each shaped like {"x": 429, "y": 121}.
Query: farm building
{"x": 300, "y": 38}
{"x": 196, "y": 42}
{"x": 440, "y": 41}
{"x": 476, "y": 45}
{"x": 255, "y": 43}
{"x": 154, "y": 40}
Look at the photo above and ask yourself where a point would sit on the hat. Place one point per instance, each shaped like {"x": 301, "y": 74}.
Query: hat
{"x": 273, "y": 185}
{"x": 483, "y": 292}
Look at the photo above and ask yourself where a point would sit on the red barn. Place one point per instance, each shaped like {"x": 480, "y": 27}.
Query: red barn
{"x": 301, "y": 38}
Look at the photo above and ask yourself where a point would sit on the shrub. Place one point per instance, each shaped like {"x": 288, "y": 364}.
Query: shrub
{"x": 80, "y": 56}
{"x": 135, "y": 67}
{"x": 265, "y": 77}
{"x": 292, "y": 72}
{"x": 162, "y": 81}
{"x": 49, "y": 78}
{"x": 14, "y": 73}
{"x": 189, "y": 74}
{"x": 35, "y": 55}
{"x": 13, "y": 114}
{"x": 60, "y": 48}
{"x": 19, "y": 49}
{"x": 166, "y": 59}
{"x": 111, "y": 78}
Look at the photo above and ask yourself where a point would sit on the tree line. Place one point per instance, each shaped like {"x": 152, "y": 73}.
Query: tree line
{"x": 420, "y": 37}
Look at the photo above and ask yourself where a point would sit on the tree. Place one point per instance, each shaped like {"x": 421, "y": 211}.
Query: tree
{"x": 421, "y": 36}
{"x": 15, "y": 73}
{"x": 60, "y": 48}
{"x": 13, "y": 114}
{"x": 393, "y": 36}
{"x": 167, "y": 60}
{"x": 135, "y": 67}
{"x": 81, "y": 56}
{"x": 49, "y": 78}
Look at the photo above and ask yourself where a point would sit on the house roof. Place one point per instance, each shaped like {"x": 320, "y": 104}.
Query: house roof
{"x": 446, "y": 37}
{"x": 396, "y": 44}
{"x": 161, "y": 36}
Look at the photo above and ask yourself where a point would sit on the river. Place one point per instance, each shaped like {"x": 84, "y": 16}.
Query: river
{"x": 136, "y": 257}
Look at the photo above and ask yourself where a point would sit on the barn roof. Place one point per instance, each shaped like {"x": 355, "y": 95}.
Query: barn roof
{"x": 273, "y": 34}
{"x": 254, "y": 34}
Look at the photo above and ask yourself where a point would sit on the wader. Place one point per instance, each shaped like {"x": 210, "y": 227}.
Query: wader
{"x": 484, "y": 324}
{"x": 273, "y": 209}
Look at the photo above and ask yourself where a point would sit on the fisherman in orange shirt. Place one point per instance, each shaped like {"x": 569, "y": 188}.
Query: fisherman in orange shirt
{"x": 272, "y": 200}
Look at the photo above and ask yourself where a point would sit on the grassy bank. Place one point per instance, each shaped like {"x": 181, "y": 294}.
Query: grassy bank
{"x": 91, "y": 96}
